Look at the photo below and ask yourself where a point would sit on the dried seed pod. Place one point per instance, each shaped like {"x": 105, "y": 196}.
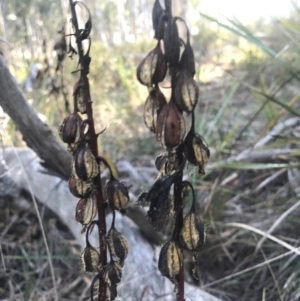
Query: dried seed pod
{"x": 195, "y": 151}
{"x": 171, "y": 43}
{"x": 152, "y": 69}
{"x": 160, "y": 204}
{"x": 86, "y": 210}
{"x": 157, "y": 20}
{"x": 117, "y": 195}
{"x": 118, "y": 244}
{"x": 192, "y": 234}
{"x": 90, "y": 259}
{"x": 170, "y": 128}
{"x": 70, "y": 131}
{"x": 154, "y": 103}
{"x": 111, "y": 292}
{"x": 79, "y": 188}
{"x": 112, "y": 273}
{"x": 78, "y": 96}
{"x": 186, "y": 91}
{"x": 170, "y": 260}
{"x": 85, "y": 164}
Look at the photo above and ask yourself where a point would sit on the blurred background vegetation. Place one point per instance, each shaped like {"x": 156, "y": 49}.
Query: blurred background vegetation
{"x": 248, "y": 72}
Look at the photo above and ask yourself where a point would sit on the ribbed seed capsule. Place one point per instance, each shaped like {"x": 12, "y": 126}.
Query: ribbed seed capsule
{"x": 86, "y": 210}
{"x": 70, "y": 130}
{"x": 79, "y": 188}
{"x": 170, "y": 128}
{"x": 154, "y": 103}
{"x": 186, "y": 91}
{"x": 152, "y": 69}
{"x": 192, "y": 234}
{"x": 170, "y": 260}
{"x": 78, "y": 95}
{"x": 118, "y": 244}
{"x": 112, "y": 273}
{"x": 90, "y": 259}
{"x": 85, "y": 164}
{"x": 111, "y": 292}
{"x": 117, "y": 195}
{"x": 157, "y": 15}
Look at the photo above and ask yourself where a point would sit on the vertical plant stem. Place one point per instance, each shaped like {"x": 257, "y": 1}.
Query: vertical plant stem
{"x": 179, "y": 221}
{"x": 94, "y": 149}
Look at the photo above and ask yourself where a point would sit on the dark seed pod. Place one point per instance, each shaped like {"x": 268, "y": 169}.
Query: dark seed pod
{"x": 90, "y": 259}
{"x": 171, "y": 43}
{"x": 79, "y": 188}
{"x": 86, "y": 210}
{"x": 170, "y": 260}
{"x": 186, "y": 91}
{"x": 70, "y": 130}
{"x": 160, "y": 204}
{"x": 170, "y": 128}
{"x": 152, "y": 69}
{"x": 112, "y": 273}
{"x": 111, "y": 292}
{"x": 157, "y": 20}
{"x": 117, "y": 195}
{"x": 154, "y": 103}
{"x": 78, "y": 96}
{"x": 192, "y": 234}
{"x": 118, "y": 245}
{"x": 85, "y": 164}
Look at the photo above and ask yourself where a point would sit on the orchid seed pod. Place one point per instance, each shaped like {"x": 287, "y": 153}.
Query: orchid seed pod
{"x": 152, "y": 69}
{"x": 90, "y": 259}
{"x": 118, "y": 244}
{"x": 170, "y": 128}
{"x": 111, "y": 292}
{"x": 86, "y": 210}
{"x": 170, "y": 259}
{"x": 85, "y": 164}
{"x": 112, "y": 273}
{"x": 70, "y": 131}
{"x": 154, "y": 103}
{"x": 79, "y": 188}
{"x": 78, "y": 96}
{"x": 192, "y": 234}
{"x": 157, "y": 20}
{"x": 171, "y": 43}
{"x": 186, "y": 92}
{"x": 117, "y": 195}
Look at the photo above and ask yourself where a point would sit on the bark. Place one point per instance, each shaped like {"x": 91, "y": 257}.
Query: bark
{"x": 37, "y": 135}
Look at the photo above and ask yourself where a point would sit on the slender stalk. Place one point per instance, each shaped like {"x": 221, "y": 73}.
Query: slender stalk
{"x": 94, "y": 149}
{"x": 179, "y": 221}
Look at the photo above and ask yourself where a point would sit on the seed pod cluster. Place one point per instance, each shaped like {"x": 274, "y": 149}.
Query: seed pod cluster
{"x": 166, "y": 118}
{"x": 79, "y": 134}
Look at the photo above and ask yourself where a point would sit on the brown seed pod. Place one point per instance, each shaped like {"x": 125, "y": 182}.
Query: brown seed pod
{"x": 195, "y": 151}
{"x": 170, "y": 128}
{"x": 86, "y": 210}
{"x": 157, "y": 20}
{"x": 70, "y": 131}
{"x": 85, "y": 164}
{"x": 152, "y": 68}
{"x": 117, "y": 195}
{"x": 79, "y": 188}
{"x": 90, "y": 259}
{"x": 118, "y": 245}
{"x": 154, "y": 103}
{"x": 171, "y": 43}
{"x": 186, "y": 91}
{"x": 192, "y": 234}
{"x": 78, "y": 96}
{"x": 112, "y": 273}
{"x": 170, "y": 260}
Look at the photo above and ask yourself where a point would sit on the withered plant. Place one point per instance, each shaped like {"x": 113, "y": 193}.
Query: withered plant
{"x": 78, "y": 132}
{"x": 173, "y": 58}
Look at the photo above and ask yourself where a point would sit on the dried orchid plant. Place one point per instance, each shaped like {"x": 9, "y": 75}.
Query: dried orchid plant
{"x": 173, "y": 57}
{"x": 78, "y": 132}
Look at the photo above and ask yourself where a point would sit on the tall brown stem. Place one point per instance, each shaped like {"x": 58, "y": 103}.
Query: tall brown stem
{"x": 94, "y": 149}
